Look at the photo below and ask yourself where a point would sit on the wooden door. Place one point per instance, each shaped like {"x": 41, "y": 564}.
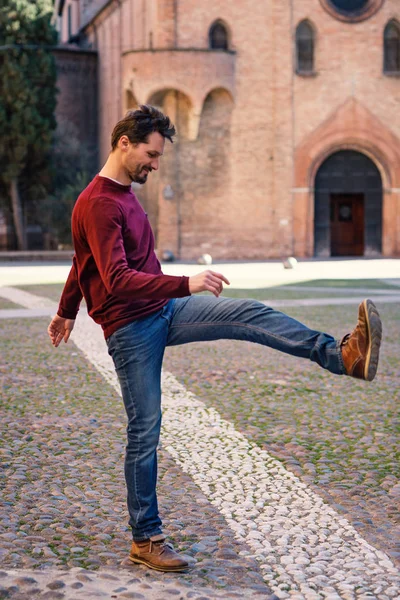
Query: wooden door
{"x": 347, "y": 224}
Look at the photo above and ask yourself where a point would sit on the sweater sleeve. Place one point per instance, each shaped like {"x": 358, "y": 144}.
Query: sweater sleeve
{"x": 71, "y": 296}
{"x": 105, "y": 238}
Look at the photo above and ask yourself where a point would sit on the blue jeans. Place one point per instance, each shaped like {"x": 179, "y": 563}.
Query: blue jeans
{"x": 137, "y": 350}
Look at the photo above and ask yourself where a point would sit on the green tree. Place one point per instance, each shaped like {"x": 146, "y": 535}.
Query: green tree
{"x": 27, "y": 100}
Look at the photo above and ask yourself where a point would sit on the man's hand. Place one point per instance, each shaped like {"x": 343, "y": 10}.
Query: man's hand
{"x": 60, "y": 329}
{"x": 207, "y": 281}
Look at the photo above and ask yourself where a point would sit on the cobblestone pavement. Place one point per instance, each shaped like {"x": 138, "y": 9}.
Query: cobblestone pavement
{"x": 340, "y": 436}
{"x": 256, "y": 523}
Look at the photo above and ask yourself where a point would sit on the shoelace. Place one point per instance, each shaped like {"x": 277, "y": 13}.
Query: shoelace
{"x": 162, "y": 544}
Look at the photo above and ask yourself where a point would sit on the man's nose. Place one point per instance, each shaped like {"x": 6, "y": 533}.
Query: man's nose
{"x": 155, "y": 164}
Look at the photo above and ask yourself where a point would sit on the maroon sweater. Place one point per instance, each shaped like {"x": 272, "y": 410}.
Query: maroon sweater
{"x": 115, "y": 267}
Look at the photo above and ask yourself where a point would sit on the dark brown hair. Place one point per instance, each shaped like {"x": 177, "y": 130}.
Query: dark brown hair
{"x": 138, "y": 124}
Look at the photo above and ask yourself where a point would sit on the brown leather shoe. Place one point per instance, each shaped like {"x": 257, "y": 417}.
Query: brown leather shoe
{"x": 360, "y": 348}
{"x": 157, "y": 554}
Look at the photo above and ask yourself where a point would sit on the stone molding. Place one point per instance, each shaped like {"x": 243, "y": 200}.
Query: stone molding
{"x": 351, "y": 127}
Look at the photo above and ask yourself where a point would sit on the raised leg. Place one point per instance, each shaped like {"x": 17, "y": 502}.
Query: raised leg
{"x": 205, "y": 318}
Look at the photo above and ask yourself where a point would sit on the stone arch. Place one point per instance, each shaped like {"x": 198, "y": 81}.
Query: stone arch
{"x": 216, "y": 113}
{"x": 361, "y": 146}
{"x": 180, "y": 107}
{"x": 199, "y": 172}
{"x": 219, "y": 95}
{"x": 163, "y": 194}
{"x": 177, "y": 105}
{"x": 350, "y": 127}
{"x": 212, "y": 151}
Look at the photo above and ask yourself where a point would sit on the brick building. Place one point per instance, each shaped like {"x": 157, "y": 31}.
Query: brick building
{"x": 287, "y": 113}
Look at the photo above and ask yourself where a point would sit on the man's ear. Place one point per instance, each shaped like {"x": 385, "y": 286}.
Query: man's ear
{"x": 123, "y": 143}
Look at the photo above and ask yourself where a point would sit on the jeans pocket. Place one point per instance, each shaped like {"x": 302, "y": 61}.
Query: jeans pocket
{"x": 113, "y": 340}
{"x": 122, "y": 330}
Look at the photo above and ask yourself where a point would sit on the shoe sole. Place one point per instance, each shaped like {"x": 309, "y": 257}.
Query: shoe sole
{"x": 374, "y": 327}
{"x": 139, "y": 561}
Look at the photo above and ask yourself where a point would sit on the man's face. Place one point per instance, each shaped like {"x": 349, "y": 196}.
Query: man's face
{"x": 141, "y": 159}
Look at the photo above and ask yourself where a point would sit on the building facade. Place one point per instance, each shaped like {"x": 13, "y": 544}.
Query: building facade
{"x": 287, "y": 115}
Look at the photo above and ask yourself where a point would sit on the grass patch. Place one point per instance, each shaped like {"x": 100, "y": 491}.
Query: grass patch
{"x": 274, "y": 293}
{"x": 349, "y": 283}
{"x": 6, "y": 304}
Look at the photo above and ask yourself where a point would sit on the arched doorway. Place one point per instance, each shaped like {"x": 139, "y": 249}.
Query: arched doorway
{"x": 348, "y": 206}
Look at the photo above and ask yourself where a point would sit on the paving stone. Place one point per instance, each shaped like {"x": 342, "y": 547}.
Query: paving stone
{"x": 56, "y": 585}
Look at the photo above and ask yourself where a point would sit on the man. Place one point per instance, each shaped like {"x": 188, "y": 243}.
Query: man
{"x": 142, "y": 311}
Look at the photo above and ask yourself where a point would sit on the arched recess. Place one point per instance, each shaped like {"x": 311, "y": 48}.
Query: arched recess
{"x": 162, "y": 195}
{"x": 216, "y": 113}
{"x": 391, "y": 46}
{"x": 351, "y": 127}
{"x": 177, "y": 106}
{"x": 211, "y": 164}
{"x": 305, "y": 48}
{"x": 218, "y": 36}
{"x": 197, "y": 172}
{"x": 181, "y": 107}
{"x": 221, "y": 99}
{"x": 348, "y": 206}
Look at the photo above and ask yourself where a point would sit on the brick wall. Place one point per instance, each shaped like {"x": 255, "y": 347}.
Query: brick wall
{"x": 248, "y": 137}
{"x": 77, "y": 98}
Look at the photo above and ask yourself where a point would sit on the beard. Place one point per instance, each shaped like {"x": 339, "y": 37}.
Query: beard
{"x": 136, "y": 175}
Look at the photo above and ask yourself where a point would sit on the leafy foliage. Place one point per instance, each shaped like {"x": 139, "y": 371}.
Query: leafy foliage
{"x": 27, "y": 93}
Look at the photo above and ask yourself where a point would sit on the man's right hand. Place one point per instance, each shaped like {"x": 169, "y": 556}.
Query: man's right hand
{"x": 207, "y": 281}
{"x": 60, "y": 329}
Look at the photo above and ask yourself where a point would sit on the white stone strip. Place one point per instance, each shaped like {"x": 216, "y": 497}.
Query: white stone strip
{"x": 305, "y": 549}
{"x": 25, "y": 313}
{"x": 103, "y": 583}
{"x": 25, "y": 299}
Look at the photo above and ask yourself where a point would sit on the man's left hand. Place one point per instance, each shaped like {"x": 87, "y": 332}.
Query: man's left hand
{"x": 60, "y": 329}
